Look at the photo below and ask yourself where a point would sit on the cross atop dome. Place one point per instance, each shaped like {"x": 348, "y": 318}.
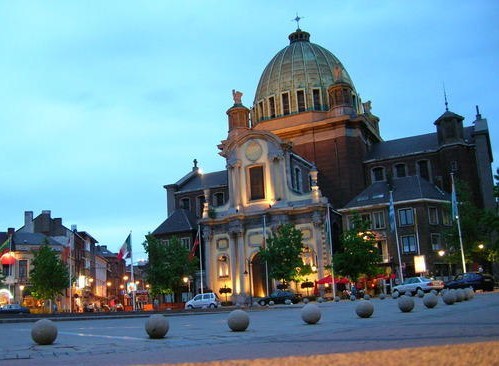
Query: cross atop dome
{"x": 297, "y": 20}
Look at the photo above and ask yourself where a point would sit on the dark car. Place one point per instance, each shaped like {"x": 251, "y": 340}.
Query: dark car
{"x": 476, "y": 280}
{"x": 279, "y": 297}
{"x": 13, "y": 309}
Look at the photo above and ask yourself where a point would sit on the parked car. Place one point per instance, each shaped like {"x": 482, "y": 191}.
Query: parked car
{"x": 207, "y": 300}
{"x": 279, "y": 297}
{"x": 476, "y": 280}
{"x": 13, "y": 309}
{"x": 414, "y": 284}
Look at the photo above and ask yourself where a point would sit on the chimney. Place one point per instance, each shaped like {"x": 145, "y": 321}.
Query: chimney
{"x": 28, "y": 222}
{"x": 74, "y": 228}
{"x": 11, "y": 231}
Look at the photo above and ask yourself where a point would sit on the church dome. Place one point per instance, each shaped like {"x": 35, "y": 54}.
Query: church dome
{"x": 297, "y": 79}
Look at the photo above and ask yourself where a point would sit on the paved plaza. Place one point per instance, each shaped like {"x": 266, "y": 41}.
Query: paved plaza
{"x": 273, "y": 332}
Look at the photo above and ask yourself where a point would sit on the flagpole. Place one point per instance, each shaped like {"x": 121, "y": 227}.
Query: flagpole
{"x": 456, "y": 217}
{"x": 416, "y": 230}
{"x": 131, "y": 273}
{"x": 200, "y": 257}
{"x": 393, "y": 221}
{"x": 70, "y": 274}
{"x": 328, "y": 223}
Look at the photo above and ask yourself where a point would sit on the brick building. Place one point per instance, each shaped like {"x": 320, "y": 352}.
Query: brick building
{"x": 308, "y": 142}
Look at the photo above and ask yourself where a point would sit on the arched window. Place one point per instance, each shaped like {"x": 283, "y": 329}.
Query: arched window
{"x": 223, "y": 266}
{"x": 400, "y": 170}
{"x": 378, "y": 174}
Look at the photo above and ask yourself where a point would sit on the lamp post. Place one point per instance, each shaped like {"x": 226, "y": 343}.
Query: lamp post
{"x": 442, "y": 253}
{"x": 187, "y": 281}
{"x": 248, "y": 272}
{"x": 21, "y": 295}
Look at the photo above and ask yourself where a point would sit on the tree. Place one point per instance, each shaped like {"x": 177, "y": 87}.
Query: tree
{"x": 168, "y": 265}
{"x": 478, "y": 228}
{"x": 283, "y": 253}
{"x": 359, "y": 256}
{"x": 49, "y": 276}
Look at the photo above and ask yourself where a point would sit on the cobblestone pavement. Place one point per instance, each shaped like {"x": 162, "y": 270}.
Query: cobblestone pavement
{"x": 273, "y": 332}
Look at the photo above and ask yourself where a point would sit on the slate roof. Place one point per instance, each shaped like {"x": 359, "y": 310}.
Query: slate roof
{"x": 103, "y": 251}
{"x": 410, "y": 145}
{"x": 180, "y": 220}
{"x": 404, "y": 189}
{"x": 33, "y": 239}
{"x": 206, "y": 180}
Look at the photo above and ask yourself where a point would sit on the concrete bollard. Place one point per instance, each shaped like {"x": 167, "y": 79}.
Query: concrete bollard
{"x": 157, "y": 326}
{"x": 470, "y": 294}
{"x": 367, "y": 297}
{"x": 382, "y": 296}
{"x": 449, "y": 297}
{"x": 352, "y": 298}
{"x": 337, "y": 299}
{"x": 288, "y": 302}
{"x": 406, "y": 304}
{"x": 420, "y": 293}
{"x": 408, "y": 293}
{"x": 460, "y": 295}
{"x": 364, "y": 309}
{"x": 306, "y": 300}
{"x": 395, "y": 295}
{"x": 238, "y": 320}
{"x": 311, "y": 314}
{"x": 430, "y": 300}
{"x": 320, "y": 300}
{"x": 44, "y": 332}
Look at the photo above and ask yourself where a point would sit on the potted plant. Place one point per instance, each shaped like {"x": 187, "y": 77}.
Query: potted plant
{"x": 224, "y": 291}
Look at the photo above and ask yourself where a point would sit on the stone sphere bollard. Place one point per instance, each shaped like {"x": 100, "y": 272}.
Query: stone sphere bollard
{"x": 408, "y": 293}
{"x": 470, "y": 294}
{"x": 420, "y": 293}
{"x": 44, "y": 332}
{"x": 287, "y": 302}
{"x": 460, "y": 295}
{"x": 352, "y": 298}
{"x": 320, "y": 300}
{"x": 406, "y": 304}
{"x": 434, "y": 292}
{"x": 311, "y": 314}
{"x": 238, "y": 320}
{"x": 430, "y": 300}
{"x": 382, "y": 296}
{"x": 449, "y": 297}
{"x": 306, "y": 300}
{"x": 157, "y": 326}
{"x": 367, "y": 297}
{"x": 395, "y": 295}
{"x": 365, "y": 309}
{"x": 271, "y": 303}
{"x": 337, "y": 299}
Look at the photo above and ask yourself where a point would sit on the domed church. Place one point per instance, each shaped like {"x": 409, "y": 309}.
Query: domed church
{"x": 309, "y": 152}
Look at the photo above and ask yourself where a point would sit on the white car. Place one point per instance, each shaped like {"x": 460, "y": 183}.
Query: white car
{"x": 207, "y": 300}
{"x": 414, "y": 284}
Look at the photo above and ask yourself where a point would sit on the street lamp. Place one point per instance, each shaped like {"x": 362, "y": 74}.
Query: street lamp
{"x": 21, "y": 289}
{"x": 248, "y": 272}
{"x": 188, "y": 282}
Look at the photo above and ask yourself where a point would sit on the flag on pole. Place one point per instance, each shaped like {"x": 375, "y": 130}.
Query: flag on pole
{"x": 192, "y": 253}
{"x": 5, "y": 246}
{"x": 391, "y": 214}
{"x": 455, "y": 213}
{"x": 126, "y": 248}
{"x": 66, "y": 251}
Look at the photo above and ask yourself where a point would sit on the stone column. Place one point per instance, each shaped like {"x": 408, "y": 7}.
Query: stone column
{"x": 207, "y": 257}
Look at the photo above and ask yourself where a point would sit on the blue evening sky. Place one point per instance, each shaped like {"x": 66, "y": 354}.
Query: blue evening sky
{"x": 104, "y": 102}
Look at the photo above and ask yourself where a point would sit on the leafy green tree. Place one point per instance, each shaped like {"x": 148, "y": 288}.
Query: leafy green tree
{"x": 478, "y": 228}
{"x": 359, "y": 255}
{"x": 49, "y": 276}
{"x": 283, "y": 253}
{"x": 168, "y": 265}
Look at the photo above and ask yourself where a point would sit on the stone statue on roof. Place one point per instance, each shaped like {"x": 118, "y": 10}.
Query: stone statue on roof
{"x": 237, "y": 95}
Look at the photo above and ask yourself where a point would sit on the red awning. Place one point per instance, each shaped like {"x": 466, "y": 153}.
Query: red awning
{"x": 8, "y": 259}
{"x": 327, "y": 279}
